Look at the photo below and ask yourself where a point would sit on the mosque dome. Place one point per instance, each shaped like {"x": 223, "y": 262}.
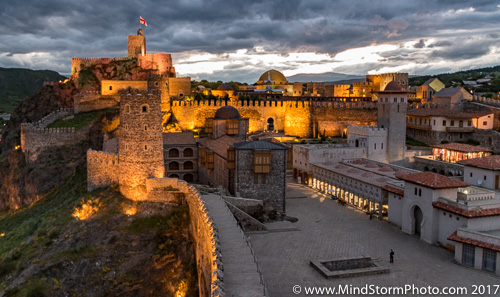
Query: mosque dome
{"x": 393, "y": 86}
{"x": 227, "y": 112}
{"x": 274, "y": 75}
{"x": 224, "y": 87}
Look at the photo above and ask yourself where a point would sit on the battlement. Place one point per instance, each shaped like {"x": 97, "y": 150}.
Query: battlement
{"x": 102, "y": 157}
{"x": 366, "y": 131}
{"x": 487, "y": 101}
{"x": 207, "y": 245}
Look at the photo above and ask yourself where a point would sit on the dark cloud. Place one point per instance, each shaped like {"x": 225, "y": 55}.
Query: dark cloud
{"x": 63, "y": 29}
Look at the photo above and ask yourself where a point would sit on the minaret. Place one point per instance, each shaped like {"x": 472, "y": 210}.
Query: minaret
{"x": 392, "y": 105}
{"x": 141, "y": 143}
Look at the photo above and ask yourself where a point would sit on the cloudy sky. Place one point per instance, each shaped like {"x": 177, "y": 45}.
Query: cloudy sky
{"x": 240, "y": 39}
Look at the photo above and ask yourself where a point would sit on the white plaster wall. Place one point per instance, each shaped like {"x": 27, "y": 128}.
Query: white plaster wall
{"x": 395, "y": 209}
{"x": 478, "y": 173}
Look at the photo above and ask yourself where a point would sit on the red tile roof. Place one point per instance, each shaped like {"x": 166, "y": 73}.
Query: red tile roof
{"x": 394, "y": 190}
{"x": 462, "y": 147}
{"x": 491, "y": 162}
{"x": 182, "y": 138}
{"x": 433, "y": 180}
{"x": 457, "y": 238}
{"x": 444, "y": 112}
{"x": 467, "y": 213}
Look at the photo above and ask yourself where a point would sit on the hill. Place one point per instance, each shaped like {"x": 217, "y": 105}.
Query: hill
{"x": 75, "y": 243}
{"x": 18, "y": 83}
{"x": 322, "y": 77}
{"x": 450, "y": 79}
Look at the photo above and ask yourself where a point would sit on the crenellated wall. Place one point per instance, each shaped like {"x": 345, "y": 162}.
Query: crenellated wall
{"x": 35, "y": 136}
{"x": 102, "y": 169}
{"x": 207, "y": 245}
{"x": 297, "y": 118}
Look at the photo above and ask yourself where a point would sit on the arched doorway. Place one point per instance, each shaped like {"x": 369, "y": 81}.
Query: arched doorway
{"x": 173, "y": 176}
{"x": 418, "y": 217}
{"x": 270, "y": 124}
{"x": 188, "y": 177}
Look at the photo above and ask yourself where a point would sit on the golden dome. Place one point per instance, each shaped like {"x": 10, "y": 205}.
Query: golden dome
{"x": 275, "y": 76}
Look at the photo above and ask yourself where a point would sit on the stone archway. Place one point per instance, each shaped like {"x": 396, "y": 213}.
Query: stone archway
{"x": 188, "y": 177}
{"x": 418, "y": 217}
{"x": 270, "y": 124}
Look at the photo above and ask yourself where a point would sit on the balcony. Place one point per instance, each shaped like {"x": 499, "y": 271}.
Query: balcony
{"x": 460, "y": 129}
{"x": 419, "y": 127}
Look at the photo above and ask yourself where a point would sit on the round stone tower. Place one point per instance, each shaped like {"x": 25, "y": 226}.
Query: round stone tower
{"x": 141, "y": 143}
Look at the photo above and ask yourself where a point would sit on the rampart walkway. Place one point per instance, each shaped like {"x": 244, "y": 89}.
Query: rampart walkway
{"x": 241, "y": 276}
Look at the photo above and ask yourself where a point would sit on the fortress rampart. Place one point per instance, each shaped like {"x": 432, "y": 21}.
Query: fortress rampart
{"x": 78, "y": 63}
{"x": 36, "y": 137}
{"x": 102, "y": 169}
{"x": 207, "y": 245}
{"x": 367, "y": 131}
{"x": 89, "y": 101}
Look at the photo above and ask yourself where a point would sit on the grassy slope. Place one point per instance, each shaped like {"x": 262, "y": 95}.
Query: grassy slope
{"x": 45, "y": 251}
{"x": 80, "y": 120}
{"x": 17, "y": 83}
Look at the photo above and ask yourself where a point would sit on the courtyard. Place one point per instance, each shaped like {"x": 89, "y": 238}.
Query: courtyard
{"x": 328, "y": 230}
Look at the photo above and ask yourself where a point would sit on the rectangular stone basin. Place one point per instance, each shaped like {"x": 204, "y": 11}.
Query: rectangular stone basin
{"x": 348, "y": 267}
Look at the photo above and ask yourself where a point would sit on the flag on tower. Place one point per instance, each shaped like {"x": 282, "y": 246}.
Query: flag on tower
{"x": 143, "y": 21}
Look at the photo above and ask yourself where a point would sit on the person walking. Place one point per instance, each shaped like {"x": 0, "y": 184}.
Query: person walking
{"x": 391, "y": 256}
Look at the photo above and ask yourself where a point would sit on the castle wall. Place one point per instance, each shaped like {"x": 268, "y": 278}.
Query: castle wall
{"x": 179, "y": 86}
{"x": 78, "y": 64}
{"x": 161, "y": 62}
{"x": 102, "y": 169}
{"x": 136, "y": 45}
{"x": 89, "y": 101}
{"x": 167, "y": 190}
{"x": 207, "y": 246}
{"x": 113, "y": 87}
{"x": 296, "y": 118}
{"x": 35, "y": 137}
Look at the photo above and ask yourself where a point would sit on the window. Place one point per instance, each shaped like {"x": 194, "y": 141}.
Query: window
{"x": 395, "y": 100}
{"x": 111, "y": 88}
{"x": 188, "y": 152}
{"x": 232, "y": 127}
{"x": 173, "y": 166}
{"x": 452, "y": 123}
{"x": 202, "y": 153}
{"x": 468, "y": 254}
{"x": 262, "y": 161}
{"x": 144, "y": 109}
{"x": 127, "y": 108}
{"x": 231, "y": 158}
{"x": 374, "y": 146}
{"x": 145, "y": 127}
{"x": 416, "y": 191}
{"x": 489, "y": 260}
{"x": 471, "y": 174}
{"x": 146, "y": 147}
{"x": 485, "y": 123}
{"x": 469, "y": 123}
{"x": 420, "y": 192}
{"x": 209, "y": 126}
{"x": 382, "y": 146}
{"x": 188, "y": 165}
{"x": 434, "y": 122}
{"x": 173, "y": 153}
{"x": 485, "y": 177}
{"x": 210, "y": 159}
{"x": 444, "y": 122}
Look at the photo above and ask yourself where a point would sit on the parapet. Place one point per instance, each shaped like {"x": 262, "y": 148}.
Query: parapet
{"x": 366, "y": 131}
{"x": 102, "y": 169}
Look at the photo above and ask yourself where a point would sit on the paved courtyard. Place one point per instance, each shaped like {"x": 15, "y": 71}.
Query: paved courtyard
{"x": 328, "y": 230}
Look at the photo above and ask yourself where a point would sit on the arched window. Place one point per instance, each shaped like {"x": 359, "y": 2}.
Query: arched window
{"x": 188, "y": 165}
{"x": 173, "y": 153}
{"x": 173, "y": 166}
{"x": 188, "y": 177}
{"x": 144, "y": 108}
{"x": 188, "y": 152}
{"x": 127, "y": 108}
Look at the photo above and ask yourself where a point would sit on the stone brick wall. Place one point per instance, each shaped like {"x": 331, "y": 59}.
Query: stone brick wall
{"x": 78, "y": 64}
{"x": 102, "y": 169}
{"x": 113, "y": 87}
{"x": 179, "y": 86}
{"x": 141, "y": 141}
{"x": 89, "y": 101}
{"x": 36, "y": 137}
{"x": 161, "y": 63}
{"x": 207, "y": 246}
{"x": 167, "y": 190}
{"x": 274, "y": 187}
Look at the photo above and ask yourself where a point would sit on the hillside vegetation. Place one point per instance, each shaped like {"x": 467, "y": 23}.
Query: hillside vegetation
{"x": 18, "y": 83}
{"x": 75, "y": 243}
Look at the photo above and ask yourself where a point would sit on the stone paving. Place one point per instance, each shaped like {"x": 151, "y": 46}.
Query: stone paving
{"x": 241, "y": 277}
{"x": 328, "y": 230}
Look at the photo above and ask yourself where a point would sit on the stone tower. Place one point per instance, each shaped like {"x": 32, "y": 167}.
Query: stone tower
{"x": 141, "y": 143}
{"x": 137, "y": 44}
{"x": 161, "y": 83}
{"x": 392, "y": 105}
